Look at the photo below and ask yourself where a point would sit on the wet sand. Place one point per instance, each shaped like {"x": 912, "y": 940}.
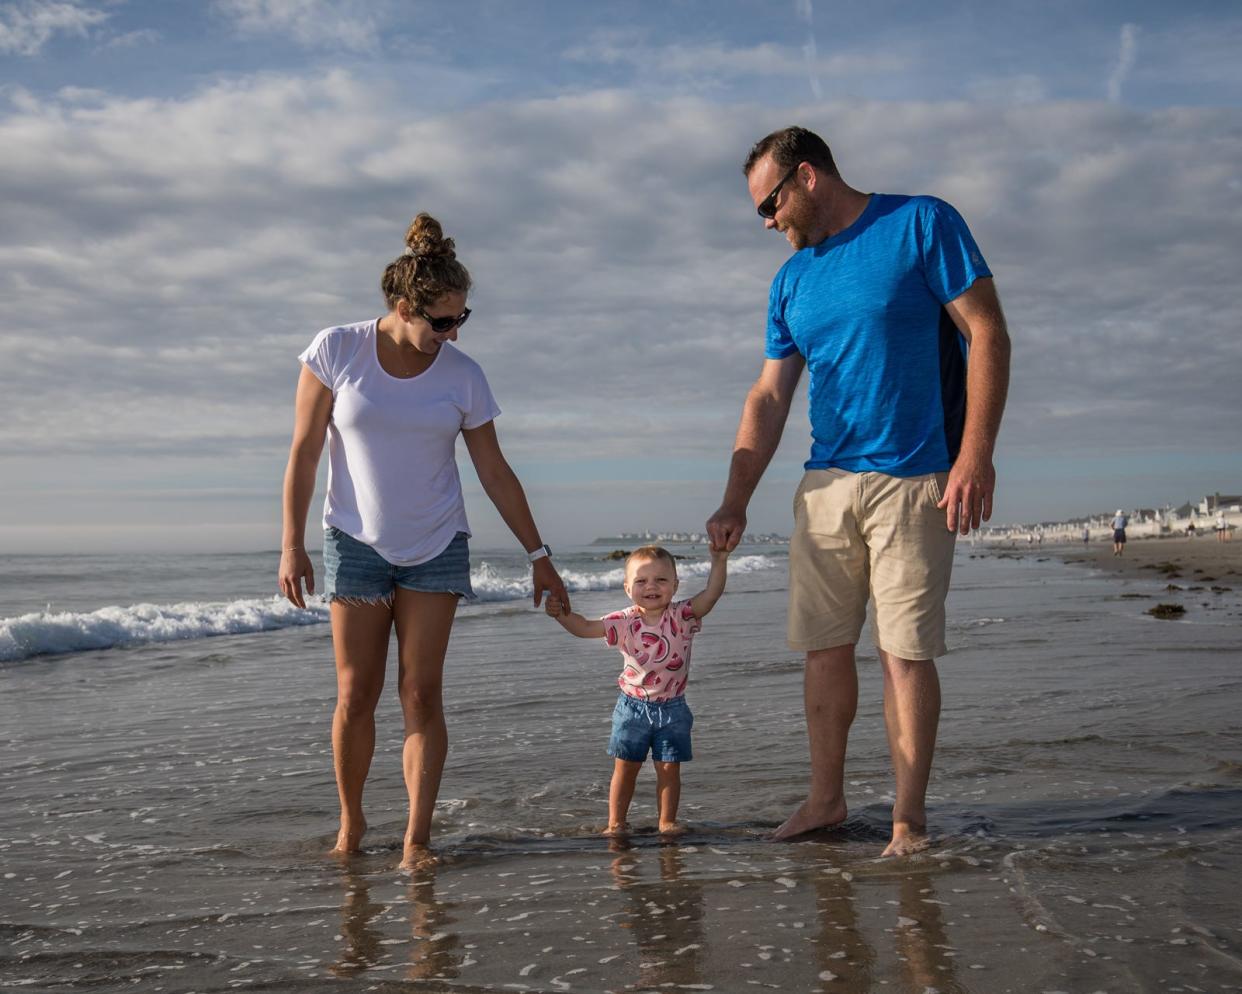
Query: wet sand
{"x": 168, "y": 809}
{"x": 1197, "y": 560}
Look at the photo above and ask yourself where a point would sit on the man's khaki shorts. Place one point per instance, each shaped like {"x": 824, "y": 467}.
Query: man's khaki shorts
{"x": 860, "y": 536}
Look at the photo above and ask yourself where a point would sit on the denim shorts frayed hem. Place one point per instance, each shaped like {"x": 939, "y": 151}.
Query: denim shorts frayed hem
{"x": 354, "y": 573}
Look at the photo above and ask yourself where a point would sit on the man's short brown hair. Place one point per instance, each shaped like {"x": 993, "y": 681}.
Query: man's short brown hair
{"x": 790, "y": 146}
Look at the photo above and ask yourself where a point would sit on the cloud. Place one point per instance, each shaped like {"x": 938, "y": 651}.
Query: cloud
{"x": 717, "y": 59}
{"x": 133, "y": 39}
{"x": 26, "y": 27}
{"x": 164, "y": 261}
{"x": 341, "y": 24}
{"x": 1125, "y": 61}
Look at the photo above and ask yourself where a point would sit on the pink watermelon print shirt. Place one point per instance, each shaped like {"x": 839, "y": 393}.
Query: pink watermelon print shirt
{"x": 657, "y": 657}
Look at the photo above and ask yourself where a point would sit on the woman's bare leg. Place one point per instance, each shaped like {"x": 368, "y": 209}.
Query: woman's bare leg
{"x": 360, "y": 643}
{"x": 423, "y": 622}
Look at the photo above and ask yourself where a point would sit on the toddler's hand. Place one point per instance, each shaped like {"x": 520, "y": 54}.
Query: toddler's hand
{"x": 553, "y": 607}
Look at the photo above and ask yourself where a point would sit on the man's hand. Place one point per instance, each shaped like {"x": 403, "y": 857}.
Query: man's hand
{"x": 726, "y": 527}
{"x": 968, "y": 494}
{"x": 544, "y": 577}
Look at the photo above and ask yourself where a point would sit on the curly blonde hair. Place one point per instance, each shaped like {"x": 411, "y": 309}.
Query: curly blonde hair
{"x": 427, "y": 270}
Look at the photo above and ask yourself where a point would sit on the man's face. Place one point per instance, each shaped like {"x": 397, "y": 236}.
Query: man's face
{"x": 793, "y": 205}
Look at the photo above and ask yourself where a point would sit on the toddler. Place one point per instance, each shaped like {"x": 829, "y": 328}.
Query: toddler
{"x": 651, "y": 715}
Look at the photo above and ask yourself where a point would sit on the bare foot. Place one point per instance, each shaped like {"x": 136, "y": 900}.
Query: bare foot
{"x": 349, "y": 838}
{"x": 616, "y": 831}
{"x": 908, "y": 837}
{"x": 417, "y": 857}
{"x": 673, "y": 828}
{"x": 809, "y": 817}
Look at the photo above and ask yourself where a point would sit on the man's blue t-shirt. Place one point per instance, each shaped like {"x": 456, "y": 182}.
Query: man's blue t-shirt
{"x": 886, "y": 362}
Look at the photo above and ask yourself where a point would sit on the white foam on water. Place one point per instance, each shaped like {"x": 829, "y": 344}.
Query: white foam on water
{"x": 54, "y": 632}
{"x": 43, "y": 633}
{"x": 491, "y": 584}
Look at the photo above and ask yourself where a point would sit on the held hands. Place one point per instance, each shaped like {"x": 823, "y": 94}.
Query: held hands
{"x": 725, "y": 529}
{"x": 554, "y": 607}
{"x": 544, "y": 578}
{"x": 295, "y": 565}
{"x": 968, "y": 494}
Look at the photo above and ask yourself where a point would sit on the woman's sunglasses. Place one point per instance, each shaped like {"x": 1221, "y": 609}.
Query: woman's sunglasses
{"x": 441, "y": 325}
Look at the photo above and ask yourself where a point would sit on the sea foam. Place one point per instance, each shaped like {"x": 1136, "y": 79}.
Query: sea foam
{"x": 50, "y": 632}
{"x": 53, "y": 632}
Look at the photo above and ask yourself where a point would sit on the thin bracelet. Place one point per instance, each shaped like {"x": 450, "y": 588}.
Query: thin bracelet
{"x": 293, "y": 548}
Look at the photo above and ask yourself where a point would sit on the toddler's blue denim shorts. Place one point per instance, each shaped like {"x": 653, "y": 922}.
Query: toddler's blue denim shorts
{"x": 353, "y": 571}
{"x": 661, "y": 727}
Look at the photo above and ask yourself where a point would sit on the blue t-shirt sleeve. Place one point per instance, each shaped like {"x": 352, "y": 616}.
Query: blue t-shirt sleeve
{"x": 778, "y": 343}
{"x": 951, "y": 259}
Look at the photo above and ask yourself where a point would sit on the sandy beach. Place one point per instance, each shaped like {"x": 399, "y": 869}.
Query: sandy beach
{"x": 1199, "y": 560}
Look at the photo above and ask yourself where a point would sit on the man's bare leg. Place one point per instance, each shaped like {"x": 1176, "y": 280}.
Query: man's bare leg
{"x": 830, "y": 691}
{"x": 911, "y": 717}
{"x": 360, "y": 641}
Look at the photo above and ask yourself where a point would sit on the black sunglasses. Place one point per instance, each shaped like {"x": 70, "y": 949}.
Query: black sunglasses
{"x": 767, "y": 206}
{"x": 441, "y": 325}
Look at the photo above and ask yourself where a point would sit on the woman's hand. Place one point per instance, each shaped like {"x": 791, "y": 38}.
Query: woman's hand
{"x": 295, "y": 565}
{"x": 545, "y": 578}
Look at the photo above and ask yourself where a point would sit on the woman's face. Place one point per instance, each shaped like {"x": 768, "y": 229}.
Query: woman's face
{"x": 421, "y": 322}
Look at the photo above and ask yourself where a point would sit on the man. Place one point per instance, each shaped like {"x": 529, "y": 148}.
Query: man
{"x": 1120, "y": 520}
{"x": 881, "y": 299}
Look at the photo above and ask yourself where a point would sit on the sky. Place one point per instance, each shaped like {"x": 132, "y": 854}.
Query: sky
{"x": 189, "y": 191}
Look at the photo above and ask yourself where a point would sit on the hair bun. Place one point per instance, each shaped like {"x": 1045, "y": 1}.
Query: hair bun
{"x": 425, "y": 238}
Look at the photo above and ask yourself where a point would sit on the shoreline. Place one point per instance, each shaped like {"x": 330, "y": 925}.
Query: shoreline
{"x": 1191, "y": 560}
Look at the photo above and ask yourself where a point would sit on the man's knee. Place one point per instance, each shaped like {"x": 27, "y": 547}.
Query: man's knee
{"x": 837, "y": 655}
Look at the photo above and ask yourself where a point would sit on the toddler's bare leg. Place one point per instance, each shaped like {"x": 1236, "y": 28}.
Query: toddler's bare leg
{"x": 620, "y": 793}
{"x": 668, "y": 790}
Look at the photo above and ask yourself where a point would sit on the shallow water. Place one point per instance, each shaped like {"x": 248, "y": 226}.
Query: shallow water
{"x": 167, "y": 808}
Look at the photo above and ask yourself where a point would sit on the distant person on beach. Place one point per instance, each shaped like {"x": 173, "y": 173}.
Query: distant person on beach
{"x": 1119, "y": 532}
{"x": 391, "y": 395}
{"x": 1190, "y": 529}
{"x": 1222, "y": 527}
{"x": 651, "y": 715}
{"x": 880, "y": 301}
{"x": 1086, "y": 534}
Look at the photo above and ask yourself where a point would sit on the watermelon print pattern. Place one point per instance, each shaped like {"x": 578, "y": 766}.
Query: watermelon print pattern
{"x": 656, "y": 657}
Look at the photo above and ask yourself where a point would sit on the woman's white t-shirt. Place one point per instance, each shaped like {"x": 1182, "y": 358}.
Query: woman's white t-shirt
{"x": 392, "y": 471}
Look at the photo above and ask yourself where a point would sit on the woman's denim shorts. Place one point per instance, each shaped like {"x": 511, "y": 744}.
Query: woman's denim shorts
{"x": 355, "y": 572}
{"x": 661, "y": 727}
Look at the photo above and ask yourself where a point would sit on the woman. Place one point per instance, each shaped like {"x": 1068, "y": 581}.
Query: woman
{"x": 391, "y": 395}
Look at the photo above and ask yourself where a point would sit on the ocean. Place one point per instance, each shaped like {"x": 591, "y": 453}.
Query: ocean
{"x": 167, "y": 800}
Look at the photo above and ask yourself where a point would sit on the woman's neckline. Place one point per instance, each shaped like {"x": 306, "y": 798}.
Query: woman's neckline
{"x": 375, "y": 346}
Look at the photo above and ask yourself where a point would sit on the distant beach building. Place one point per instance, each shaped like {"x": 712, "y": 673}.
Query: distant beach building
{"x": 1220, "y": 502}
{"x": 684, "y": 538}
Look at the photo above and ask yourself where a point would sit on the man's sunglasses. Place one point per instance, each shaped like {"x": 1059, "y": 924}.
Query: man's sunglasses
{"x": 767, "y": 206}
{"x": 441, "y": 325}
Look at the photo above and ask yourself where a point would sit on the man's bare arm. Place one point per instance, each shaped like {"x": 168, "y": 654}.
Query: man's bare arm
{"x": 758, "y": 435}
{"x": 972, "y": 480}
